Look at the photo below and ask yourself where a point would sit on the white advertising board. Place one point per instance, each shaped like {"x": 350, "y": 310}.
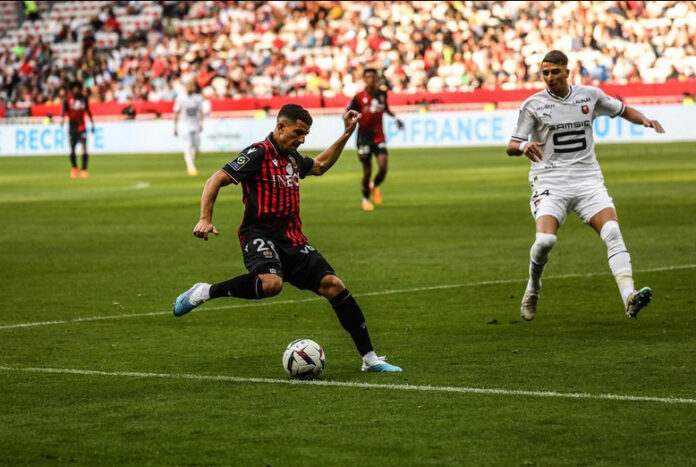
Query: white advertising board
{"x": 422, "y": 130}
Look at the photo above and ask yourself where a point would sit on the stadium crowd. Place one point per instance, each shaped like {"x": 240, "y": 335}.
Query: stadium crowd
{"x": 234, "y": 49}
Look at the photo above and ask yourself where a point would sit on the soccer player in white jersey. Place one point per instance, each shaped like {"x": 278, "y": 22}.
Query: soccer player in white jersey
{"x": 191, "y": 106}
{"x": 554, "y": 130}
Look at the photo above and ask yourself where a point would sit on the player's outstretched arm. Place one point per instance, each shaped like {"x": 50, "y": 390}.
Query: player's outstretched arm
{"x": 634, "y": 116}
{"x": 328, "y": 157}
{"x": 210, "y": 192}
{"x": 531, "y": 149}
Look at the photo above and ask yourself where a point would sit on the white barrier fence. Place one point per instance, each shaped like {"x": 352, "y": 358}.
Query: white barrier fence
{"x": 422, "y": 130}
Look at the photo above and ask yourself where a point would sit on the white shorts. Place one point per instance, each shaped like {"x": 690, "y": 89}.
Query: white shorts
{"x": 559, "y": 193}
{"x": 192, "y": 139}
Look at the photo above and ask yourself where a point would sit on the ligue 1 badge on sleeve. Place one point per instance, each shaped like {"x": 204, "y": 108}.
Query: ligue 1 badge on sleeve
{"x": 239, "y": 162}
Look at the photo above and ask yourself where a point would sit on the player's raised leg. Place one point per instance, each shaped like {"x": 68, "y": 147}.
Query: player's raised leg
{"x": 246, "y": 286}
{"x": 547, "y": 227}
{"x": 606, "y": 224}
{"x": 353, "y": 321}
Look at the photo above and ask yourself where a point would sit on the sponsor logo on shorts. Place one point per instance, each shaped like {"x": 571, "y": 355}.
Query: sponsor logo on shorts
{"x": 307, "y": 249}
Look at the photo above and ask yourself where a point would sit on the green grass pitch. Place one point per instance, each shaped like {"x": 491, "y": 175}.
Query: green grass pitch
{"x": 92, "y": 267}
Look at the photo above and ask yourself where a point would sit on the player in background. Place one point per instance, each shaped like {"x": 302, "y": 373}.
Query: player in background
{"x": 554, "y": 130}
{"x": 273, "y": 246}
{"x": 191, "y": 107}
{"x": 75, "y": 106}
{"x": 372, "y": 104}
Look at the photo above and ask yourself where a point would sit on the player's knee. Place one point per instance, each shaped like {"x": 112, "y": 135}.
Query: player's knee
{"x": 330, "y": 286}
{"x": 612, "y": 238}
{"x": 545, "y": 241}
{"x": 272, "y": 284}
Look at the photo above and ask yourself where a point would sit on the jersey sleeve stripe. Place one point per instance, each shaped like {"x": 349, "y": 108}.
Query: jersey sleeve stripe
{"x": 234, "y": 180}
{"x": 519, "y": 138}
{"x": 623, "y": 107}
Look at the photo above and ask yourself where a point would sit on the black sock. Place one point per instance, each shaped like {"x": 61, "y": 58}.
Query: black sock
{"x": 366, "y": 192}
{"x": 85, "y": 159}
{"x": 73, "y": 159}
{"x": 352, "y": 319}
{"x": 379, "y": 178}
{"x": 247, "y": 286}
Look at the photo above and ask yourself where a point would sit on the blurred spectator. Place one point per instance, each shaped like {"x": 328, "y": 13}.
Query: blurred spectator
{"x": 128, "y": 112}
{"x": 31, "y": 10}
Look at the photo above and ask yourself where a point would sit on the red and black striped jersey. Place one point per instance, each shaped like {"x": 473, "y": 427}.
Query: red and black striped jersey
{"x": 372, "y": 108}
{"x": 271, "y": 190}
{"x": 75, "y": 108}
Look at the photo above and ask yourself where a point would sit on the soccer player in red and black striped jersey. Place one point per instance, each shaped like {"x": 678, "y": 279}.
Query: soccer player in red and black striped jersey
{"x": 274, "y": 248}
{"x": 75, "y": 106}
{"x": 372, "y": 104}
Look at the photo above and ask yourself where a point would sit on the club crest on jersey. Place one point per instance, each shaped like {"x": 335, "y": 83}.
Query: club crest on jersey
{"x": 585, "y": 109}
{"x": 289, "y": 169}
{"x": 239, "y": 162}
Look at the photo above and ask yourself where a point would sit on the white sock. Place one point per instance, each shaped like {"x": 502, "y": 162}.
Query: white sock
{"x": 370, "y": 358}
{"x": 538, "y": 256}
{"x": 189, "y": 157}
{"x": 625, "y": 282}
{"x": 201, "y": 295}
{"x": 619, "y": 259}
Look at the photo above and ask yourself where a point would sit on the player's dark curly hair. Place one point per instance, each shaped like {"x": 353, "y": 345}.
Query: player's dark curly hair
{"x": 295, "y": 112}
{"x": 557, "y": 57}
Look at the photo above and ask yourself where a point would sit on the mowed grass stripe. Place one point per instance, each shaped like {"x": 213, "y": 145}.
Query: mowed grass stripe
{"x": 314, "y": 299}
{"x": 347, "y": 384}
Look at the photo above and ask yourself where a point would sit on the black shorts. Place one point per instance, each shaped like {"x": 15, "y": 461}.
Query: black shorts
{"x": 367, "y": 147}
{"x": 77, "y": 136}
{"x": 302, "y": 266}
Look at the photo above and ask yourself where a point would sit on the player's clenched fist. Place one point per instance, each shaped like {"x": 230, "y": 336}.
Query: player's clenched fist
{"x": 203, "y": 228}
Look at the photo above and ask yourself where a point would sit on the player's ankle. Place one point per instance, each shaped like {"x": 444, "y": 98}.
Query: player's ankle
{"x": 370, "y": 358}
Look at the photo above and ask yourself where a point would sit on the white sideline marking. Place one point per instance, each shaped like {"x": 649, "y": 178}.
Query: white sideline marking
{"x": 76, "y": 193}
{"x": 314, "y": 299}
{"x": 347, "y": 384}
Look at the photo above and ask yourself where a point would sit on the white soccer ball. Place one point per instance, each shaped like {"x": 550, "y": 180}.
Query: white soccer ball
{"x": 304, "y": 359}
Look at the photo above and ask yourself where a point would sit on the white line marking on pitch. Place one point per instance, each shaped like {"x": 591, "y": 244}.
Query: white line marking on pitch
{"x": 314, "y": 299}
{"x": 347, "y": 384}
{"x": 76, "y": 193}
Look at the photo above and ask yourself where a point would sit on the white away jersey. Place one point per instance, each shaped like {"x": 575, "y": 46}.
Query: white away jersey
{"x": 565, "y": 126}
{"x": 190, "y": 107}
